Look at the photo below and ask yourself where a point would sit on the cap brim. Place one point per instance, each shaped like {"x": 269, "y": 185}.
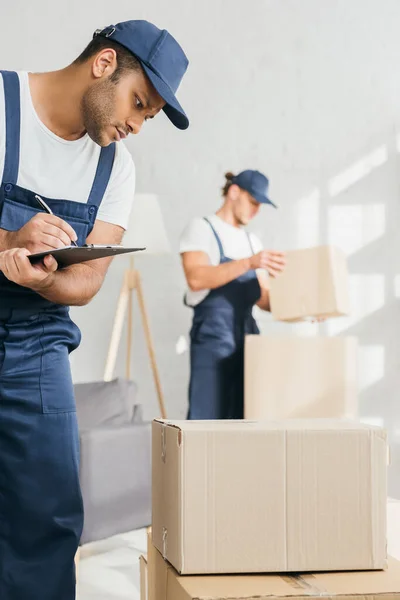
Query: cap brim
{"x": 172, "y": 108}
{"x": 264, "y": 200}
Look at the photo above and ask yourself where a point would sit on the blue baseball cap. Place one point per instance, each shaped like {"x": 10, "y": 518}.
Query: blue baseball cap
{"x": 161, "y": 57}
{"x": 255, "y": 183}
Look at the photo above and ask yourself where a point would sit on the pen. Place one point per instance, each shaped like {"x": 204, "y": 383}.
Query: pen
{"x": 49, "y": 211}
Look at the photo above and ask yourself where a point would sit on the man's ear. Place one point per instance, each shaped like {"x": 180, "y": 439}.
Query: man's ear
{"x": 234, "y": 191}
{"x": 104, "y": 63}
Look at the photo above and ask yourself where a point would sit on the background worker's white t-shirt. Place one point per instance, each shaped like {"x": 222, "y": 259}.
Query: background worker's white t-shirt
{"x": 199, "y": 237}
{"x": 61, "y": 169}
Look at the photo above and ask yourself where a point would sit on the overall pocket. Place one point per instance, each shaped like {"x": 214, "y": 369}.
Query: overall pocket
{"x": 14, "y": 215}
{"x": 59, "y": 337}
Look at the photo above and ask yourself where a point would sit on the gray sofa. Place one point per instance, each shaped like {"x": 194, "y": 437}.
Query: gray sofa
{"x": 115, "y": 466}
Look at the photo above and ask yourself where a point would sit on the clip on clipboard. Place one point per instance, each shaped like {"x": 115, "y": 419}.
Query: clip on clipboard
{"x": 71, "y": 255}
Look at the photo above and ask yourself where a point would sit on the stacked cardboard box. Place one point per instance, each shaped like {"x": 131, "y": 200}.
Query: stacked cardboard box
{"x": 242, "y": 496}
{"x": 300, "y": 377}
{"x": 160, "y": 581}
{"x": 237, "y": 497}
{"x": 144, "y": 568}
{"x": 303, "y": 377}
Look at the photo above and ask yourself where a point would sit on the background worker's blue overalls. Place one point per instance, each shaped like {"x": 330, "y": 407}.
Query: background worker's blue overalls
{"x": 41, "y": 512}
{"x": 220, "y": 323}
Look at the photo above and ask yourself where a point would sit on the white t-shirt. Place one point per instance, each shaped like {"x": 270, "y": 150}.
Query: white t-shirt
{"x": 61, "y": 169}
{"x": 199, "y": 237}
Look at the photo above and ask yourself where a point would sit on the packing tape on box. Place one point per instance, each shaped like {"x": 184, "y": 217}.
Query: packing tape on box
{"x": 300, "y": 583}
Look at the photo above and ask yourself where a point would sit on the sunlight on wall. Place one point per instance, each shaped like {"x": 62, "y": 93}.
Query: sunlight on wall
{"x": 374, "y": 421}
{"x": 353, "y": 227}
{"x": 367, "y": 295}
{"x": 371, "y": 366}
{"x": 308, "y": 229}
{"x": 357, "y": 171}
{"x": 396, "y": 284}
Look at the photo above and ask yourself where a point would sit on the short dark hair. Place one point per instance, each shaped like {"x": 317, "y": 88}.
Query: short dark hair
{"x": 126, "y": 61}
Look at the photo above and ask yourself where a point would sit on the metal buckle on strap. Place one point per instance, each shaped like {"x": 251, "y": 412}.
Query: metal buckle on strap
{"x": 106, "y": 31}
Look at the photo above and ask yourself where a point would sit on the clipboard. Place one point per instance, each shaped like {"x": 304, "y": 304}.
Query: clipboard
{"x": 72, "y": 255}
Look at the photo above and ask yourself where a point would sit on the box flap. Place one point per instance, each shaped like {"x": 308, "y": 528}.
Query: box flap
{"x": 245, "y": 587}
{"x": 221, "y": 474}
{"x": 273, "y": 425}
{"x": 166, "y": 502}
{"x": 358, "y": 543}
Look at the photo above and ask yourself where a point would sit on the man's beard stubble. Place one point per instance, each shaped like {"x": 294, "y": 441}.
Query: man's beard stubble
{"x": 97, "y": 108}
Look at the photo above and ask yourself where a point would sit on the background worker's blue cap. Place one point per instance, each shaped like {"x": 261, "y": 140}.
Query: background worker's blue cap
{"x": 255, "y": 183}
{"x": 161, "y": 57}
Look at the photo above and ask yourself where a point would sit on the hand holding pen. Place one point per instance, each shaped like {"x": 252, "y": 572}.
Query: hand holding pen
{"x": 48, "y": 210}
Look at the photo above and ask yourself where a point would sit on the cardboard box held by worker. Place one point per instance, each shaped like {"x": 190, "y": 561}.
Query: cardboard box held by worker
{"x": 313, "y": 284}
{"x": 300, "y": 377}
{"x": 284, "y": 496}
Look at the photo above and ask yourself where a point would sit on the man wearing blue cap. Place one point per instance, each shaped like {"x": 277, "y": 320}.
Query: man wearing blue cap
{"x": 65, "y": 180}
{"x": 226, "y": 271}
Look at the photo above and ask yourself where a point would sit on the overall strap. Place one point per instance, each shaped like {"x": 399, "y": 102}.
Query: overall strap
{"x": 103, "y": 173}
{"x": 221, "y": 249}
{"x": 13, "y": 125}
{"x": 250, "y": 242}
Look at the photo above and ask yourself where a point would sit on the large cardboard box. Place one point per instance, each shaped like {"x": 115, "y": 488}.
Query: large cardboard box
{"x": 246, "y": 497}
{"x": 300, "y": 377}
{"x": 313, "y": 284}
{"x": 143, "y": 578}
{"x": 372, "y": 585}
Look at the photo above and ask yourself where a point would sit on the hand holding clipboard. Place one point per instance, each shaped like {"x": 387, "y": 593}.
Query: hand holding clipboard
{"x": 71, "y": 255}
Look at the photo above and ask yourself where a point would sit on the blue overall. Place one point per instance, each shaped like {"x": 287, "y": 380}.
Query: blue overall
{"x": 41, "y": 512}
{"x": 220, "y": 323}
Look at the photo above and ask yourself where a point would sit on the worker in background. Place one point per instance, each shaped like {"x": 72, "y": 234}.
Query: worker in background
{"x": 58, "y": 134}
{"x": 226, "y": 270}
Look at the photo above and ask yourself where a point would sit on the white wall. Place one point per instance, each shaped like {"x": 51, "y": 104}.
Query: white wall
{"x": 304, "y": 91}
